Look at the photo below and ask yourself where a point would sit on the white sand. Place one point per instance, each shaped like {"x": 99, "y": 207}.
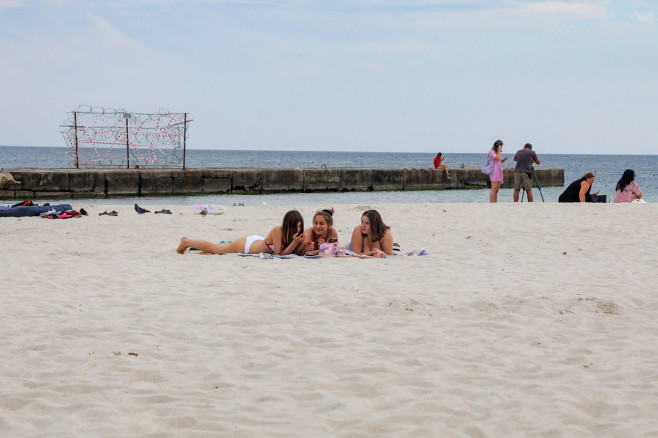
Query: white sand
{"x": 525, "y": 320}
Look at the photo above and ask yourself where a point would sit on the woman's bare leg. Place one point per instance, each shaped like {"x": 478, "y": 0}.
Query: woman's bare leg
{"x": 211, "y": 248}
{"x": 493, "y": 196}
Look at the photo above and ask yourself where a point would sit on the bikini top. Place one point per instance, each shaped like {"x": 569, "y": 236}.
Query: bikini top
{"x": 363, "y": 239}
{"x": 270, "y": 246}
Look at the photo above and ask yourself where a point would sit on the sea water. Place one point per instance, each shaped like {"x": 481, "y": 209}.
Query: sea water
{"x": 608, "y": 170}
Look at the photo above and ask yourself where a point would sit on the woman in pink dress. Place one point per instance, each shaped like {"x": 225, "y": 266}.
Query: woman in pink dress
{"x": 497, "y": 176}
{"x": 627, "y": 188}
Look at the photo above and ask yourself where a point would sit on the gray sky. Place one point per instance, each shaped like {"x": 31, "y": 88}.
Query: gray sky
{"x": 389, "y": 75}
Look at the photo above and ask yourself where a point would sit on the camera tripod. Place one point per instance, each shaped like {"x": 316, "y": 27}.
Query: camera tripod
{"x": 533, "y": 177}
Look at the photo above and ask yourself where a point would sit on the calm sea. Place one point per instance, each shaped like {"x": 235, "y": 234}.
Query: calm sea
{"x": 608, "y": 170}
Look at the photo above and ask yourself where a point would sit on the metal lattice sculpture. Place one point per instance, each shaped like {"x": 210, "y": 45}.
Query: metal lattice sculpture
{"x": 102, "y": 137}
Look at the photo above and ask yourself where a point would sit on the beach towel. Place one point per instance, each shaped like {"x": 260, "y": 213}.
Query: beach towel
{"x": 66, "y": 214}
{"x": 31, "y": 210}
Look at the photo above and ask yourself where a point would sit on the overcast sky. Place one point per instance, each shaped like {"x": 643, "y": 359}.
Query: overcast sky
{"x": 389, "y": 75}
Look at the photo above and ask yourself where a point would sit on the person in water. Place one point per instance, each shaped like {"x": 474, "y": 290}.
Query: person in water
{"x": 321, "y": 232}
{"x": 373, "y": 237}
{"x": 283, "y": 239}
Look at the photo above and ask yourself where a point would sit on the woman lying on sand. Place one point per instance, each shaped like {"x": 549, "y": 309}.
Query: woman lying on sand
{"x": 321, "y": 232}
{"x": 283, "y": 239}
{"x": 373, "y": 237}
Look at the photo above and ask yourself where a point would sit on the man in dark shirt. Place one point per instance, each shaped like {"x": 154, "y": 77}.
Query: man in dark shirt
{"x": 523, "y": 170}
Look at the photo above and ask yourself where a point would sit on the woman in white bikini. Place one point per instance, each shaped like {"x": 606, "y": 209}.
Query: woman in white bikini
{"x": 373, "y": 237}
{"x": 284, "y": 239}
{"x": 321, "y": 232}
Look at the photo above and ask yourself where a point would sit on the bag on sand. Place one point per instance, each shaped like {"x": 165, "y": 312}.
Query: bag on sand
{"x": 328, "y": 249}
{"x": 598, "y": 198}
{"x": 488, "y": 167}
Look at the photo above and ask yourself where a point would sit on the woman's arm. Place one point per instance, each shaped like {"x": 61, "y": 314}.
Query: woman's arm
{"x": 332, "y": 234}
{"x": 277, "y": 240}
{"x": 637, "y": 193}
{"x": 275, "y": 236}
{"x": 357, "y": 240}
{"x": 498, "y": 156}
{"x": 309, "y": 242}
{"x": 387, "y": 243}
{"x": 584, "y": 187}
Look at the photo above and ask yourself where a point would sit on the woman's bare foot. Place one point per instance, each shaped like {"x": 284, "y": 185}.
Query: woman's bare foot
{"x": 183, "y": 245}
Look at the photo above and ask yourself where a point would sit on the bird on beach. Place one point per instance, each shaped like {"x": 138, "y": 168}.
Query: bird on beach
{"x": 141, "y": 210}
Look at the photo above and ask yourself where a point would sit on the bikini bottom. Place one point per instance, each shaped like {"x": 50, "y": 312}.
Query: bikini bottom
{"x": 251, "y": 239}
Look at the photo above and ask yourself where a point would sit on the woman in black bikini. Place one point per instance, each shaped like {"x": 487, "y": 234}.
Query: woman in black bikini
{"x": 373, "y": 237}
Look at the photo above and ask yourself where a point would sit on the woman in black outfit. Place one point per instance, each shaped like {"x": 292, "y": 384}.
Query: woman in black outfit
{"x": 578, "y": 191}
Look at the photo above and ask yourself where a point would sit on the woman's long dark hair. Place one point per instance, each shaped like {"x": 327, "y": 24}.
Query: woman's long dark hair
{"x": 626, "y": 178}
{"x": 377, "y": 226}
{"x": 290, "y": 221}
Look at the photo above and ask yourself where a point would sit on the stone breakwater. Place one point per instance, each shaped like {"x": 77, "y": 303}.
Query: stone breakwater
{"x": 104, "y": 183}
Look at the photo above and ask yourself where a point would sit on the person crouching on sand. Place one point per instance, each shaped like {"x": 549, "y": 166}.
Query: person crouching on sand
{"x": 321, "y": 232}
{"x": 578, "y": 191}
{"x": 373, "y": 237}
{"x": 284, "y": 239}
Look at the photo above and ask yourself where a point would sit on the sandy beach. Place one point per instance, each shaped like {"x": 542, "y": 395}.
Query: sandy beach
{"x": 524, "y": 320}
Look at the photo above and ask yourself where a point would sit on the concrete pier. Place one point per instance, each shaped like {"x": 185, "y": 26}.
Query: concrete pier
{"x": 105, "y": 183}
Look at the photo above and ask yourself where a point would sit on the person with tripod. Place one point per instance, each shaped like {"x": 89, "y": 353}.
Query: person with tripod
{"x": 524, "y": 170}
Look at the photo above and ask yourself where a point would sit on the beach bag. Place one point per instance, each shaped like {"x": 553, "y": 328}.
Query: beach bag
{"x": 328, "y": 249}
{"x": 488, "y": 167}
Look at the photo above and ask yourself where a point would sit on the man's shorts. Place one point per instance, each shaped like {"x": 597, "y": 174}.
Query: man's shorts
{"x": 520, "y": 176}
